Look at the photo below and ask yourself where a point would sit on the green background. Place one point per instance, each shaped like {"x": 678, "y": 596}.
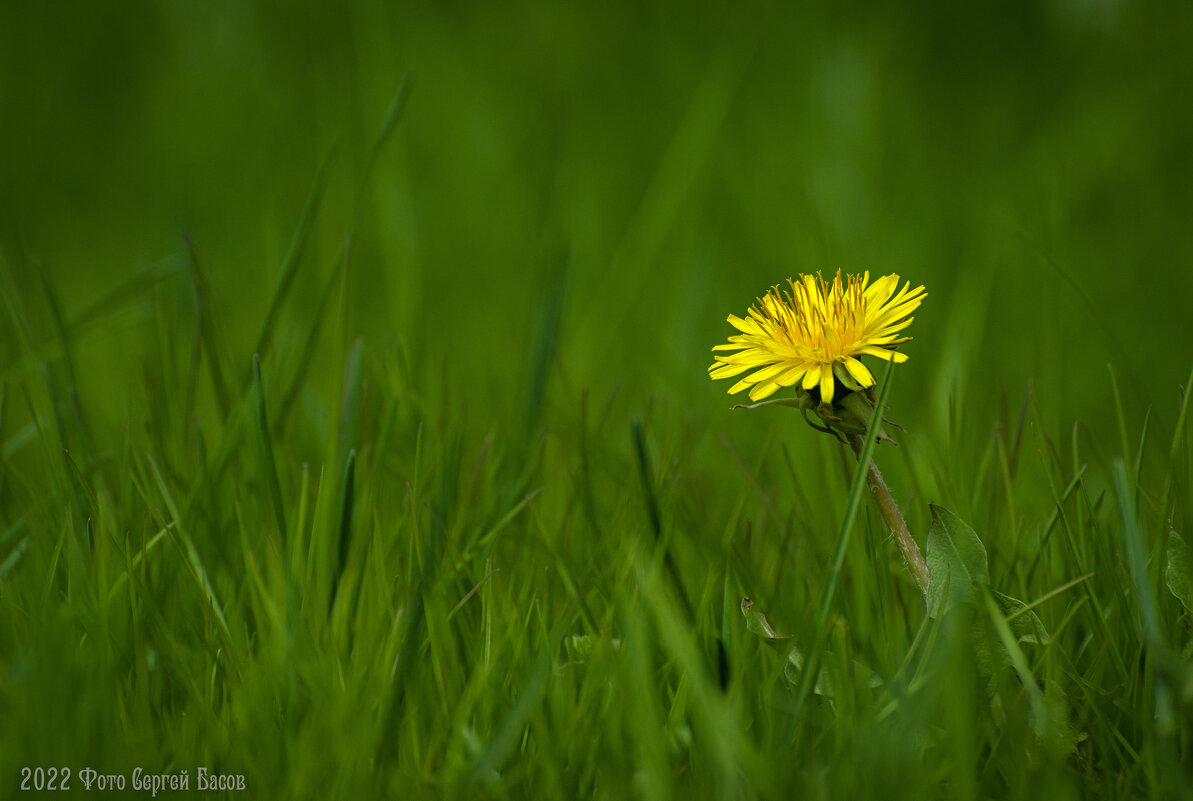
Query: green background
{"x": 1027, "y": 163}
{"x": 543, "y": 249}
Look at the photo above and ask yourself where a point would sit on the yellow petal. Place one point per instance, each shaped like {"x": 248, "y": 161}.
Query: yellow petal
{"x": 880, "y": 291}
{"x": 738, "y": 387}
{"x": 726, "y": 370}
{"x": 748, "y": 356}
{"x": 791, "y": 375}
{"x": 892, "y": 314}
{"x": 763, "y": 390}
{"x": 826, "y": 386}
{"x": 884, "y": 342}
{"x": 765, "y": 374}
{"x": 901, "y": 304}
{"x": 891, "y": 328}
{"x": 859, "y": 372}
{"x": 745, "y": 326}
{"x": 883, "y": 353}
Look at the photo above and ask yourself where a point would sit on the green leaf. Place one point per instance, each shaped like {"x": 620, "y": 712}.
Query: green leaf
{"x": 1059, "y": 737}
{"x": 956, "y": 562}
{"x": 990, "y": 650}
{"x": 1025, "y": 624}
{"x": 824, "y": 685}
{"x": 1178, "y": 574}
{"x": 757, "y": 623}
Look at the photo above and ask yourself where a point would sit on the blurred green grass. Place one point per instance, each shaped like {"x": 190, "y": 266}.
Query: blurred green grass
{"x": 1026, "y": 164}
{"x": 571, "y": 203}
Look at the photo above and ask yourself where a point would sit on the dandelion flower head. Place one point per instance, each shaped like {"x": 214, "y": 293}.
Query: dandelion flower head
{"x": 813, "y": 332}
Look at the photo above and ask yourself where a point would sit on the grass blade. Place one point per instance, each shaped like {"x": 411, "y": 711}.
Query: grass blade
{"x": 207, "y": 330}
{"x": 294, "y": 255}
{"x": 392, "y": 116}
{"x": 344, "y": 541}
{"x": 1174, "y": 451}
{"x": 351, "y": 406}
{"x": 271, "y": 470}
{"x": 1120, "y": 416}
{"x": 192, "y": 555}
{"x": 662, "y": 548}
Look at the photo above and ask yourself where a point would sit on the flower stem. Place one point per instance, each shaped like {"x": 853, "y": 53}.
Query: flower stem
{"x": 890, "y": 513}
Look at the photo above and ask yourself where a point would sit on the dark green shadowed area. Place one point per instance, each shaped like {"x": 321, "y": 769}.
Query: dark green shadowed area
{"x": 356, "y": 436}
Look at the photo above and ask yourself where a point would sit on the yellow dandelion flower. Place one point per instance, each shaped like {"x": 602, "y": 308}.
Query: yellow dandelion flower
{"x": 814, "y": 332}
